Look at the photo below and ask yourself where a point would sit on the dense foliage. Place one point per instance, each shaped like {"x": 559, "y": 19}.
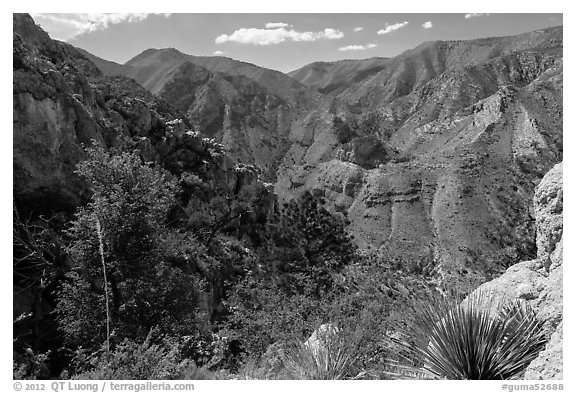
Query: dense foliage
{"x": 167, "y": 277}
{"x": 146, "y": 284}
{"x": 291, "y": 286}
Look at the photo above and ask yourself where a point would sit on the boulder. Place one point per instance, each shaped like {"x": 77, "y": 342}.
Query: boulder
{"x": 317, "y": 341}
{"x": 548, "y": 364}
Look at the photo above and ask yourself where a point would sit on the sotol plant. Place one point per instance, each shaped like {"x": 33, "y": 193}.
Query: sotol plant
{"x": 335, "y": 355}
{"x": 476, "y": 339}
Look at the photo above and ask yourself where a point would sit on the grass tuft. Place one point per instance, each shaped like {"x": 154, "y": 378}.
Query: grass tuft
{"x": 334, "y": 356}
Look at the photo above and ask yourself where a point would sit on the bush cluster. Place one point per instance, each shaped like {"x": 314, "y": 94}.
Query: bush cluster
{"x": 160, "y": 277}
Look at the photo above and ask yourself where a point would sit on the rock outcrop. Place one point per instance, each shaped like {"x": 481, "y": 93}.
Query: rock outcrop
{"x": 63, "y": 103}
{"x": 539, "y": 281}
{"x": 52, "y": 108}
{"x": 316, "y": 343}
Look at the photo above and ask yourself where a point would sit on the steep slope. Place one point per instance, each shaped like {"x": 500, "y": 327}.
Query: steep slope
{"x": 335, "y": 77}
{"x": 464, "y": 132}
{"x": 250, "y": 122}
{"x": 414, "y": 68}
{"x": 256, "y": 113}
{"x": 275, "y": 81}
{"x": 51, "y": 119}
{"x": 62, "y": 102}
{"x": 151, "y": 66}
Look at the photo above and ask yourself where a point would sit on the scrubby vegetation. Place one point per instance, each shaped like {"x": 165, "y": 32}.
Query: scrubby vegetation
{"x": 166, "y": 277}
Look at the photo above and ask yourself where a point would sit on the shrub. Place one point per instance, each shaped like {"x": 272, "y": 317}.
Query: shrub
{"x": 155, "y": 358}
{"x": 476, "y": 339}
{"x": 261, "y": 314}
{"x": 333, "y": 355}
{"x": 30, "y": 365}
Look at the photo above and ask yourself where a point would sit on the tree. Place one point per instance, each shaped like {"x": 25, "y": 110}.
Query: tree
{"x": 307, "y": 239}
{"x": 288, "y": 290}
{"x": 124, "y": 233}
{"x": 241, "y": 212}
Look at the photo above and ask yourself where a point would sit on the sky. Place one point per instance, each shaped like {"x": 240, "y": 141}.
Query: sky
{"x": 283, "y": 42}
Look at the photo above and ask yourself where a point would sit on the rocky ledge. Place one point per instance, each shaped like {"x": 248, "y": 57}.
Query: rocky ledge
{"x": 539, "y": 281}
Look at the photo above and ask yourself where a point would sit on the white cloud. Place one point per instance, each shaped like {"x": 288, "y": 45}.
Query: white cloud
{"x": 390, "y": 28}
{"x": 275, "y": 36}
{"x": 357, "y": 47}
{"x": 468, "y": 16}
{"x": 359, "y": 28}
{"x": 66, "y": 26}
{"x": 218, "y": 53}
{"x": 275, "y": 25}
{"x": 331, "y": 34}
{"x": 427, "y": 25}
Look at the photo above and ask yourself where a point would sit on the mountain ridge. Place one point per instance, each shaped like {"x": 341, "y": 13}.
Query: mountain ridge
{"x": 222, "y": 64}
{"x": 416, "y": 154}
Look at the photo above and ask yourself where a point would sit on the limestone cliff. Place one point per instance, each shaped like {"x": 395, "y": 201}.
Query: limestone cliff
{"x": 539, "y": 281}
{"x": 62, "y": 102}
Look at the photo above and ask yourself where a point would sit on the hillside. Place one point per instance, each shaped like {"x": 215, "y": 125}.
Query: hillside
{"x": 256, "y": 113}
{"x": 62, "y": 102}
{"x": 478, "y": 124}
{"x": 389, "y": 79}
{"x": 152, "y": 67}
{"x": 335, "y": 77}
{"x": 63, "y": 105}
